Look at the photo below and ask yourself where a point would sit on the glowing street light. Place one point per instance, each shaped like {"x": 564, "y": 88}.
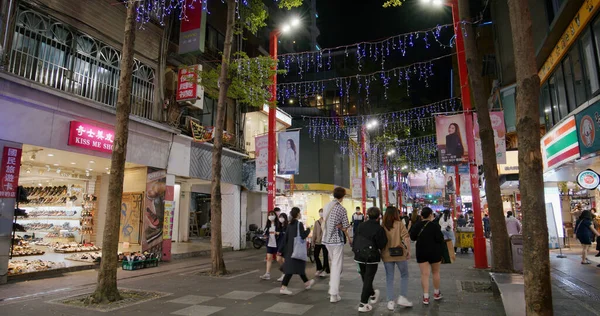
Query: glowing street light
{"x": 372, "y": 124}
{"x": 391, "y": 152}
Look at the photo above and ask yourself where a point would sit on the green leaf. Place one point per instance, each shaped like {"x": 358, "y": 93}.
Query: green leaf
{"x": 392, "y": 3}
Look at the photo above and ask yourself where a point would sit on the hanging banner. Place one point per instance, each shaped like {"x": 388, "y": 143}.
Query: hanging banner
{"x": 154, "y": 214}
{"x": 288, "y": 152}
{"x": 427, "y": 182}
{"x": 356, "y": 188}
{"x": 9, "y": 173}
{"x": 392, "y": 197}
{"x": 193, "y": 28}
{"x": 371, "y": 188}
{"x": 261, "y": 152}
{"x": 451, "y": 139}
{"x": 497, "y": 118}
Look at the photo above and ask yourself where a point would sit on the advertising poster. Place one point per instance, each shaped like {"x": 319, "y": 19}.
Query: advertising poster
{"x": 154, "y": 213}
{"x": 131, "y": 210}
{"x": 288, "y": 152}
{"x": 371, "y": 187}
{"x": 392, "y": 197}
{"x": 497, "y": 118}
{"x": 261, "y": 152}
{"x": 356, "y": 188}
{"x": 451, "y": 139}
{"x": 588, "y": 125}
{"x": 428, "y": 182}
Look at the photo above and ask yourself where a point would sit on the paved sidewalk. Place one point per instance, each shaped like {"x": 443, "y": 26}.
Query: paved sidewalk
{"x": 245, "y": 294}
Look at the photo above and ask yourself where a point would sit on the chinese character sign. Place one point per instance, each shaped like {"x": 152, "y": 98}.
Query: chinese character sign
{"x": 187, "y": 83}
{"x": 192, "y": 32}
{"x": 261, "y": 150}
{"x": 497, "y": 118}
{"x": 9, "y": 175}
{"x": 91, "y": 137}
{"x": 451, "y": 139}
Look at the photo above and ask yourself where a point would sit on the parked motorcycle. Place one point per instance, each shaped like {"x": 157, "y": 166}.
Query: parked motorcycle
{"x": 256, "y": 235}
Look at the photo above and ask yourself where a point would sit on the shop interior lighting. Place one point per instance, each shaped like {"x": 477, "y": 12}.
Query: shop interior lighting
{"x": 50, "y": 155}
{"x": 58, "y": 170}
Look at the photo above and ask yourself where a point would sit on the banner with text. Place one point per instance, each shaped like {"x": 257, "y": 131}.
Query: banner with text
{"x": 497, "y": 118}
{"x": 451, "y": 139}
{"x": 288, "y": 150}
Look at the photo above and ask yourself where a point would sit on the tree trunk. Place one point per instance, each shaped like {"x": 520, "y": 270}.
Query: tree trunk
{"x": 536, "y": 257}
{"x": 106, "y": 289}
{"x": 216, "y": 242}
{"x": 501, "y": 254}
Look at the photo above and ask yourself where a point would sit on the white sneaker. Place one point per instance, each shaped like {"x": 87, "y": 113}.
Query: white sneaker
{"x": 403, "y": 301}
{"x": 266, "y": 276}
{"x": 391, "y": 305}
{"x": 309, "y": 284}
{"x": 280, "y": 278}
{"x": 364, "y": 308}
{"x": 323, "y": 274}
{"x": 375, "y": 298}
{"x": 285, "y": 291}
{"x": 318, "y": 273}
{"x": 335, "y": 298}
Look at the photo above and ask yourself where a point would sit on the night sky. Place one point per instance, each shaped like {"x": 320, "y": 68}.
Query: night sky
{"x": 344, "y": 22}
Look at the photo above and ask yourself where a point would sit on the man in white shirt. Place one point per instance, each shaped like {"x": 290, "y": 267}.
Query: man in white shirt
{"x": 513, "y": 226}
{"x": 336, "y": 225}
{"x": 357, "y": 219}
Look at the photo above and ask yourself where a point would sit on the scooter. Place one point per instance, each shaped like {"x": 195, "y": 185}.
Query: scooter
{"x": 257, "y": 236}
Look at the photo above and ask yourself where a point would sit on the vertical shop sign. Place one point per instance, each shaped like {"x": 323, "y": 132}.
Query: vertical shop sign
{"x": 193, "y": 28}
{"x": 560, "y": 145}
{"x": 91, "y": 137}
{"x": 188, "y": 88}
{"x": 497, "y": 118}
{"x": 356, "y": 187}
{"x": 289, "y": 152}
{"x": 9, "y": 175}
{"x": 451, "y": 139}
{"x": 261, "y": 152}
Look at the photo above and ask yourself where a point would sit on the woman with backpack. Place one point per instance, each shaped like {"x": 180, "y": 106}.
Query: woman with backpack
{"x": 396, "y": 254}
{"x": 370, "y": 240}
{"x": 430, "y": 240}
{"x": 293, "y": 266}
{"x": 585, "y": 233}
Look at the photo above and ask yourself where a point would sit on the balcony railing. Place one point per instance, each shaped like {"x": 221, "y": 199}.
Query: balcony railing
{"x": 57, "y": 55}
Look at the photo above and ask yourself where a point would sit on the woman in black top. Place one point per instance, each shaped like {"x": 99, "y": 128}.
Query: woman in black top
{"x": 293, "y": 266}
{"x": 430, "y": 240}
{"x": 454, "y": 145}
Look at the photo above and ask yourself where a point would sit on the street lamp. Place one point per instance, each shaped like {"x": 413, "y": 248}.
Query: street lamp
{"x": 479, "y": 239}
{"x": 272, "y": 139}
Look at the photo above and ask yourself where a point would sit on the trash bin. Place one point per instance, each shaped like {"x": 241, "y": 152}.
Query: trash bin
{"x": 516, "y": 246}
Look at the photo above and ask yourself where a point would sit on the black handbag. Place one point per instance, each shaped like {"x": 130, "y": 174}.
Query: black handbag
{"x": 396, "y": 252}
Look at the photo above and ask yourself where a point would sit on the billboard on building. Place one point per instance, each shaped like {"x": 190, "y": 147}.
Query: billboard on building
{"x": 288, "y": 150}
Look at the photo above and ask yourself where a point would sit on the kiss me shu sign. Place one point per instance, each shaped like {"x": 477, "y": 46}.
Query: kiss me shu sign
{"x": 91, "y": 137}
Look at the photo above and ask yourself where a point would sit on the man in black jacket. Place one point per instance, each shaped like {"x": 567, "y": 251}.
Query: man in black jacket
{"x": 369, "y": 241}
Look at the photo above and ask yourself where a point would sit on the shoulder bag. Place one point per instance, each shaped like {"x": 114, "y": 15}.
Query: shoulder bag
{"x": 299, "y": 251}
{"x": 398, "y": 251}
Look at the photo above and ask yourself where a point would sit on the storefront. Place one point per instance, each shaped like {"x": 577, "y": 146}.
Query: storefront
{"x": 65, "y": 161}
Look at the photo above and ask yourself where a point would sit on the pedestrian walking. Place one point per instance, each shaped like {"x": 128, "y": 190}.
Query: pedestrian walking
{"x": 283, "y": 219}
{"x": 322, "y": 268}
{"x": 585, "y": 233}
{"x": 293, "y": 266}
{"x": 357, "y": 219}
{"x": 272, "y": 234}
{"x": 486, "y": 226}
{"x": 334, "y": 229}
{"x": 513, "y": 226}
{"x": 447, "y": 224}
{"x": 430, "y": 240}
{"x": 396, "y": 254}
{"x": 370, "y": 240}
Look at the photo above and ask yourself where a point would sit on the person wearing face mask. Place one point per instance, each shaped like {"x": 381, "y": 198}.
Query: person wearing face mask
{"x": 283, "y": 220}
{"x": 322, "y": 268}
{"x": 272, "y": 233}
{"x": 293, "y": 266}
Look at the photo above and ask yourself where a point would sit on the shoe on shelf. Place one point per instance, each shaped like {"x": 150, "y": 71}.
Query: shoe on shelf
{"x": 323, "y": 274}
{"x": 308, "y": 284}
{"x": 364, "y": 308}
{"x": 425, "y": 300}
{"x": 280, "y": 278}
{"x": 403, "y": 301}
{"x": 266, "y": 276}
{"x": 375, "y": 298}
{"x": 438, "y": 296}
{"x": 285, "y": 291}
{"x": 335, "y": 298}
{"x": 391, "y": 305}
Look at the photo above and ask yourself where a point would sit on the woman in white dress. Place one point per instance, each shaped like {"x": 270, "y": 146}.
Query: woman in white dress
{"x": 290, "y": 160}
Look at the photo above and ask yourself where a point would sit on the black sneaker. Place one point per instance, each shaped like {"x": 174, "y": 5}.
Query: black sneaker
{"x": 598, "y": 254}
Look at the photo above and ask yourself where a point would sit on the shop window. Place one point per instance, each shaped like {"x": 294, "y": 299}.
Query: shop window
{"x": 563, "y": 109}
{"x": 591, "y": 69}
{"x": 547, "y": 107}
{"x": 569, "y": 82}
{"x": 552, "y": 9}
{"x": 555, "y": 113}
{"x": 578, "y": 79}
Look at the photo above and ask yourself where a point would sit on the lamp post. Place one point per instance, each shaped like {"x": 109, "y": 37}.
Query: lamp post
{"x": 272, "y": 136}
{"x": 479, "y": 239}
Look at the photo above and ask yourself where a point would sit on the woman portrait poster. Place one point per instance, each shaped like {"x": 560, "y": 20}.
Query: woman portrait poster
{"x": 451, "y": 139}
{"x": 288, "y": 152}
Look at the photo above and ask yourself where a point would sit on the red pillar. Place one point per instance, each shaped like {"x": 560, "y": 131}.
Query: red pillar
{"x": 272, "y": 136}
{"x": 479, "y": 239}
{"x": 363, "y": 155}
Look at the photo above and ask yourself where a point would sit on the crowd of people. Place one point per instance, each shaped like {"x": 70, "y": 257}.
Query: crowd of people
{"x": 376, "y": 237}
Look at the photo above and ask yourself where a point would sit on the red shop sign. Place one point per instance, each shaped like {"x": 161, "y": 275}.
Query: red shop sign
{"x": 187, "y": 83}
{"x": 9, "y": 175}
{"x": 91, "y": 137}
